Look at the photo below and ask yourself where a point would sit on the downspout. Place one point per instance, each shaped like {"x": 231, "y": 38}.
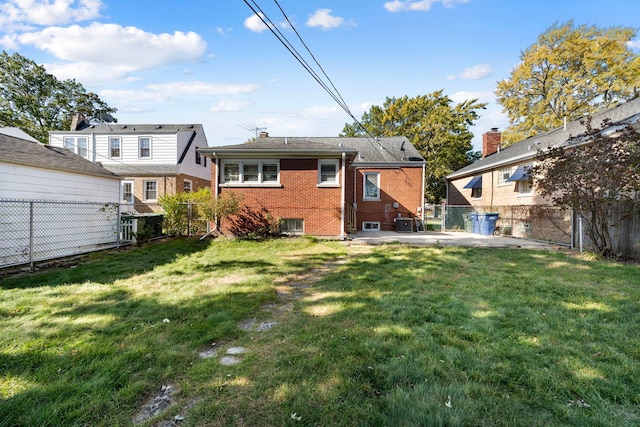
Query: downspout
{"x": 343, "y": 193}
{"x": 93, "y": 146}
{"x": 424, "y": 173}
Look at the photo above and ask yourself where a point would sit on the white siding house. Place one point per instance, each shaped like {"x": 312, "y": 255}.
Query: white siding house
{"x": 52, "y": 202}
{"x": 154, "y": 160}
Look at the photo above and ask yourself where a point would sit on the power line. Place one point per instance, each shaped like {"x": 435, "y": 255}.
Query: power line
{"x": 335, "y": 94}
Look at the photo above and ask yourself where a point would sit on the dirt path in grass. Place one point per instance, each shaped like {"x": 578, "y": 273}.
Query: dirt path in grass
{"x": 288, "y": 291}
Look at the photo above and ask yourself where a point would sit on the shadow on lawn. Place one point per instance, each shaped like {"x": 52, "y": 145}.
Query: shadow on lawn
{"x": 107, "y": 267}
{"x": 404, "y": 331}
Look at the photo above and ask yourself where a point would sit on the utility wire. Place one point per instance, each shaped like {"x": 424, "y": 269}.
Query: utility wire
{"x": 335, "y": 94}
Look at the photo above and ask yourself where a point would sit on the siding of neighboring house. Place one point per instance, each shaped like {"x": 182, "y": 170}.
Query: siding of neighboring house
{"x": 172, "y": 159}
{"x": 24, "y": 182}
{"x": 53, "y": 203}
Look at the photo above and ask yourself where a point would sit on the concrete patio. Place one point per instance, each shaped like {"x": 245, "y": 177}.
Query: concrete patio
{"x": 446, "y": 238}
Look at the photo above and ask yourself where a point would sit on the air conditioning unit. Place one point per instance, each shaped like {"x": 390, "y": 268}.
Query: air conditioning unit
{"x": 404, "y": 225}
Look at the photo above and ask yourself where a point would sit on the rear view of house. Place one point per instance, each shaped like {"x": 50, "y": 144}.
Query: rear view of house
{"x": 324, "y": 186}
{"x": 153, "y": 159}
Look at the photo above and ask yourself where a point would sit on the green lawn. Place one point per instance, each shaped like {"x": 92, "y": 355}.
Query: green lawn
{"x": 389, "y": 336}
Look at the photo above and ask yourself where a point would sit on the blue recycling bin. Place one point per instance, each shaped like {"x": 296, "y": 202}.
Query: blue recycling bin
{"x": 475, "y": 226}
{"x": 487, "y": 223}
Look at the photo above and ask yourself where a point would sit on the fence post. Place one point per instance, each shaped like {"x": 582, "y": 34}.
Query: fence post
{"x": 31, "y": 235}
{"x": 119, "y": 227}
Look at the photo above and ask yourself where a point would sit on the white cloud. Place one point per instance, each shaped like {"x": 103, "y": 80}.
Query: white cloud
{"x": 418, "y": 6}
{"x": 162, "y": 92}
{"x": 323, "y": 18}
{"x": 255, "y": 24}
{"x": 473, "y": 73}
{"x": 462, "y": 96}
{"x": 21, "y": 14}
{"x": 633, "y": 44}
{"x": 228, "y": 105}
{"x": 195, "y": 88}
{"x": 108, "y": 52}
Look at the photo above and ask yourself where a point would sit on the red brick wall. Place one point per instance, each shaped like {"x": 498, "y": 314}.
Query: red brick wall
{"x": 397, "y": 185}
{"x": 298, "y": 197}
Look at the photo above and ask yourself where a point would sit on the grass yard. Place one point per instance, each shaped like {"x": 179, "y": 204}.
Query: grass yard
{"x": 367, "y": 336}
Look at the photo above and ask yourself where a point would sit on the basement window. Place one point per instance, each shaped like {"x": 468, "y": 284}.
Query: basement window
{"x": 370, "y": 226}
{"x": 292, "y": 226}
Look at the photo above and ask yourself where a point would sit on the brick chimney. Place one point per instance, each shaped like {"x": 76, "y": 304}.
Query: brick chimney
{"x": 491, "y": 142}
{"x": 79, "y": 122}
{"x": 264, "y": 134}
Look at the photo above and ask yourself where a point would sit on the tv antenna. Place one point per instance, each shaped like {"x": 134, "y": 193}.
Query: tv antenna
{"x": 252, "y": 128}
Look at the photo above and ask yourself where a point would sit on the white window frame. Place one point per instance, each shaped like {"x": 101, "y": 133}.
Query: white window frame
{"x": 140, "y": 147}
{"x": 82, "y": 142}
{"x": 187, "y": 183}
{"x": 503, "y": 176}
{"x": 335, "y": 178}
{"x": 113, "y": 139}
{"x": 370, "y": 226}
{"x": 286, "y": 229}
{"x": 476, "y": 196}
{"x": 364, "y": 186}
{"x": 241, "y": 175}
{"x": 131, "y": 200}
{"x": 146, "y": 190}
{"x": 524, "y": 187}
{"x": 70, "y": 143}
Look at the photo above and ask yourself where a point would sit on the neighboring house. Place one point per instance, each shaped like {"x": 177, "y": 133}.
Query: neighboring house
{"x": 500, "y": 181}
{"x": 324, "y": 186}
{"x": 52, "y": 202}
{"x": 154, "y": 160}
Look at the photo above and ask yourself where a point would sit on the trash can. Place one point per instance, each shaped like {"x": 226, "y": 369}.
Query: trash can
{"x": 468, "y": 225}
{"x": 487, "y": 223}
{"x": 475, "y": 226}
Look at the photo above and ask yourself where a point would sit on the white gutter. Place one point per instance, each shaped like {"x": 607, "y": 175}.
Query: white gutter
{"x": 343, "y": 191}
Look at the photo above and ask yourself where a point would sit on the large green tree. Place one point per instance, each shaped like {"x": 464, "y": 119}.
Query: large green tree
{"x": 434, "y": 125}
{"x": 569, "y": 72}
{"x": 36, "y": 102}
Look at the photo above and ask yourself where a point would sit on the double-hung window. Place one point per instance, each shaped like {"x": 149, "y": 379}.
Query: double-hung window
{"x": 150, "y": 190}
{"x": 328, "y": 172}
{"x": 250, "y": 172}
{"x": 371, "y": 186}
{"x": 115, "y": 147}
{"x": 127, "y": 192}
{"x": 144, "y": 147}
{"x": 186, "y": 186}
{"x": 78, "y": 145}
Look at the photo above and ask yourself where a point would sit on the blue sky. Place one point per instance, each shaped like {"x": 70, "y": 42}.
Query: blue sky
{"x": 212, "y": 62}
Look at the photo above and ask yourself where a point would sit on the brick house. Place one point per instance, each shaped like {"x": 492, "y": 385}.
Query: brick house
{"x": 153, "y": 159}
{"x": 500, "y": 182}
{"x": 324, "y": 186}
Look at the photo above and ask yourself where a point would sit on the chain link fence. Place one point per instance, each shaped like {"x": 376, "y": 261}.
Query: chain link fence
{"x": 33, "y": 231}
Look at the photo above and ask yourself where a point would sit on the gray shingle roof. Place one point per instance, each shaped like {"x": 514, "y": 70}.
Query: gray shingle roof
{"x": 389, "y": 150}
{"x": 142, "y": 170}
{"x": 527, "y": 149}
{"x": 27, "y": 153}
{"x": 121, "y": 129}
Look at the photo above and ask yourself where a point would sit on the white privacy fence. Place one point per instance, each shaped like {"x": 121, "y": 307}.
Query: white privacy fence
{"x": 38, "y": 230}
